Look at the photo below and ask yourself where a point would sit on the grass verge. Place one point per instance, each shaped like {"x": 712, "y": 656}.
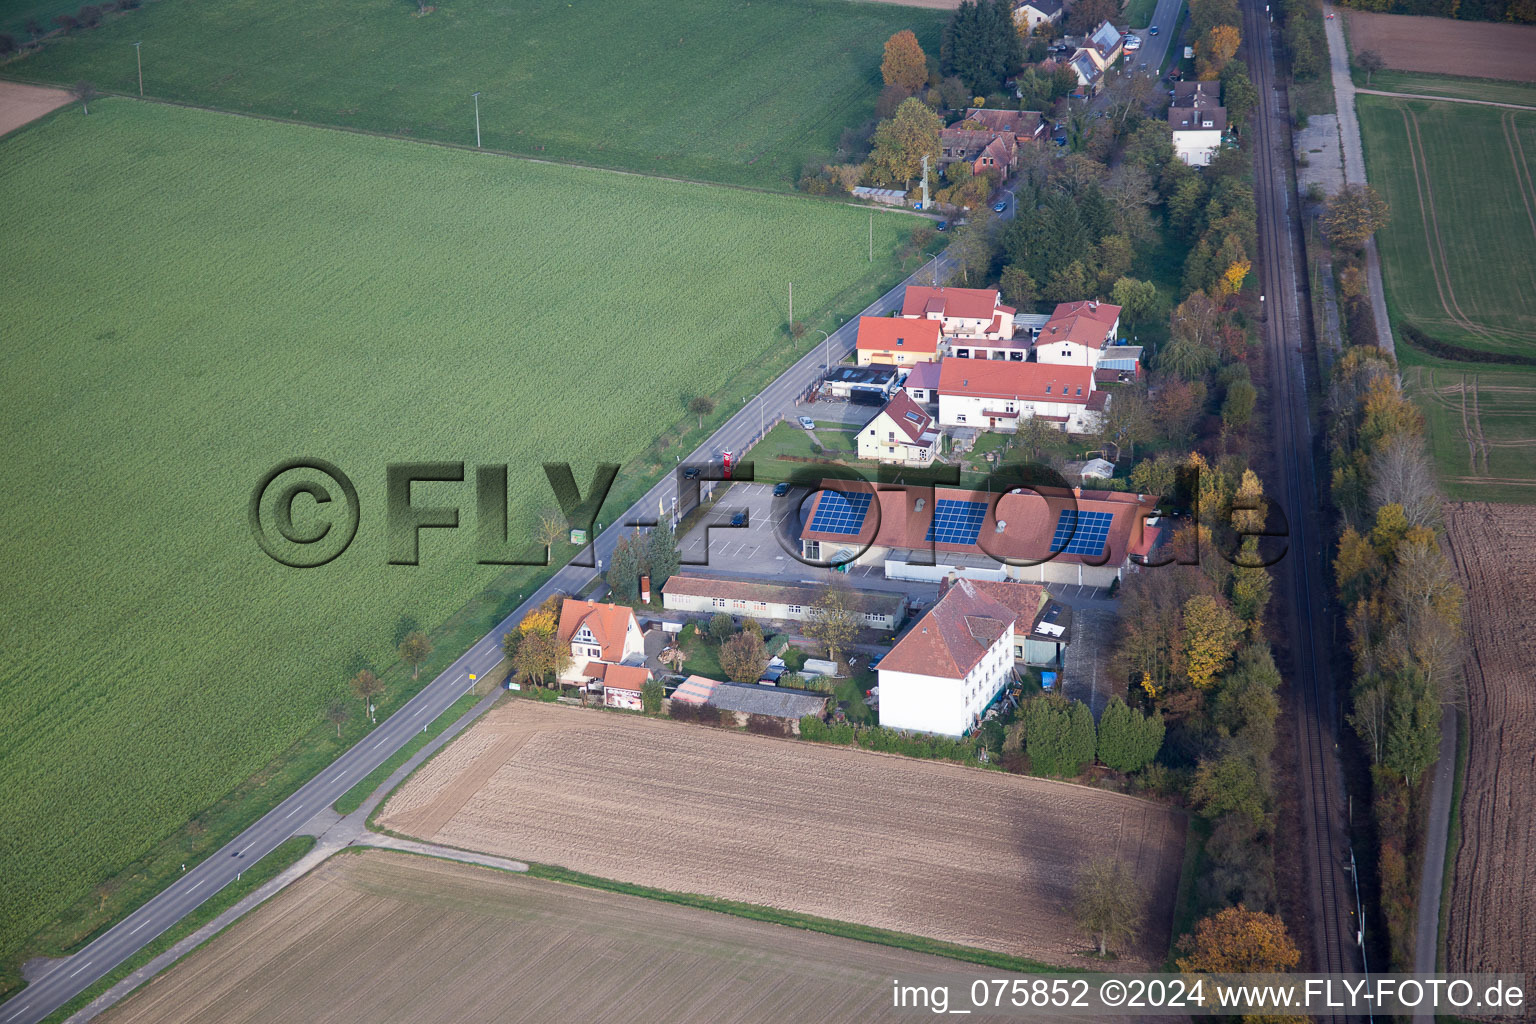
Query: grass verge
{"x": 1453, "y": 834}
{"x": 1185, "y": 901}
{"x": 353, "y": 798}
{"x": 807, "y": 922}
{"x": 264, "y": 870}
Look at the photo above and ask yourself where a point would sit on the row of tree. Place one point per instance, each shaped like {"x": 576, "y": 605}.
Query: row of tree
{"x": 1057, "y": 737}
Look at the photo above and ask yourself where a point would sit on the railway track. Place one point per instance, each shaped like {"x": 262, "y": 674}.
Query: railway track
{"x": 1325, "y": 841}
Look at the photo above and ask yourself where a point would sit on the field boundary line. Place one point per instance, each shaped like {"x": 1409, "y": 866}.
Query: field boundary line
{"x": 1442, "y": 99}
{"x": 1522, "y": 172}
{"x": 1466, "y": 428}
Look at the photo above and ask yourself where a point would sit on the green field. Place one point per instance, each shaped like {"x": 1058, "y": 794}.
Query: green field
{"x": 194, "y": 297}
{"x": 1494, "y": 89}
{"x": 742, "y": 92}
{"x": 1459, "y": 263}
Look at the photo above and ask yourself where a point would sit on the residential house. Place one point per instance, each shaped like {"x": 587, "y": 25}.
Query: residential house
{"x": 1024, "y": 124}
{"x": 1029, "y": 15}
{"x": 1197, "y": 121}
{"x": 775, "y": 602}
{"x": 985, "y": 150}
{"x": 1090, "y": 74}
{"x": 994, "y": 395}
{"x": 1041, "y": 622}
{"x": 1104, "y": 45}
{"x": 599, "y": 635}
{"x": 902, "y": 434}
{"x": 961, "y": 312}
{"x": 922, "y": 385}
{"x": 1077, "y": 333}
{"x": 623, "y": 686}
{"x": 941, "y": 676}
{"x": 924, "y": 534}
{"x": 897, "y": 341}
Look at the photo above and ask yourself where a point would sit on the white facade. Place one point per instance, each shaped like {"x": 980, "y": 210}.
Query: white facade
{"x": 1004, "y": 414}
{"x": 942, "y": 705}
{"x": 884, "y": 441}
{"x": 1196, "y": 146}
{"x": 1066, "y": 353}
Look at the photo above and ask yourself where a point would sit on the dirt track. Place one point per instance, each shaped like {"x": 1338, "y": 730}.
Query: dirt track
{"x": 1443, "y": 46}
{"x": 1492, "y": 924}
{"x": 973, "y": 857}
{"x": 22, "y": 103}
{"x": 385, "y": 937}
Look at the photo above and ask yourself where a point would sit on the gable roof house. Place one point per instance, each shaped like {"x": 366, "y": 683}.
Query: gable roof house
{"x": 897, "y": 341}
{"x": 996, "y": 395}
{"x": 1024, "y": 124}
{"x": 961, "y": 312}
{"x": 922, "y": 385}
{"x": 902, "y": 434}
{"x": 925, "y": 534}
{"x": 1197, "y": 122}
{"x": 1029, "y": 15}
{"x": 1090, "y": 74}
{"x": 1077, "y": 333}
{"x": 599, "y": 635}
{"x": 1105, "y": 44}
{"x": 985, "y": 149}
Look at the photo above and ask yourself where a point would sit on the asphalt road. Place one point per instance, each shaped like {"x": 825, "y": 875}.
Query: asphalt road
{"x": 1304, "y": 593}
{"x": 1155, "y": 48}
{"x": 73, "y": 974}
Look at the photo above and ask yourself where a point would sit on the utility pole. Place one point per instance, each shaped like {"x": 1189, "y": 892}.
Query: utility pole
{"x": 871, "y": 236}
{"x": 140, "y": 55}
{"x": 791, "y": 305}
{"x": 477, "y": 120}
{"x": 925, "y": 182}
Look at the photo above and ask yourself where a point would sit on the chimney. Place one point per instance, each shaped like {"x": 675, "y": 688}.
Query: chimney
{"x": 943, "y": 589}
{"x": 645, "y": 589}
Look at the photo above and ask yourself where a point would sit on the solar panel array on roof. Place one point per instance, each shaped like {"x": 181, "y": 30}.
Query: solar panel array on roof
{"x": 840, "y": 512}
{"x": 956, "y": 522}
{"x": 1081, "y": 533}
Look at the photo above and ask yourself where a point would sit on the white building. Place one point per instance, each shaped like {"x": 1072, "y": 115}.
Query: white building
{"x": 1078, "y": 333}
{"x": 897, "y": 341}
{"x": 901, "y": 434}
{"x": 1029, "y": 15}
{"x": 996, "y": 395}
{"x": 1197, "y": 120}
{"x": 775, "y": 602}
{"x": 599, "y": 635}
{"x": 961, "y": 312}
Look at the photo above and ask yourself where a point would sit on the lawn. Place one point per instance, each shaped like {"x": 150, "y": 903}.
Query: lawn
{"x": 193, "y": 298}
{"x": 1459, "y": 263}
{"x": 741, "y": 92}
{"x": 1497, "y": 90}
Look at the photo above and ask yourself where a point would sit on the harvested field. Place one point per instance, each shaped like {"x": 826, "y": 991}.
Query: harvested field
{"x": 20, "y": 104}
{"x": 381, "y": 937}
{"x": 1492, "y": 924}
{"x": 962, "y": 855}
{"x": 1481, "y": 49}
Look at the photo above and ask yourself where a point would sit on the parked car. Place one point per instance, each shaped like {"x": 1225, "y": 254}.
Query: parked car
{"x": 1060, "y": 140}
{"x": 739, "y": 519}
{"x": 999, "y": 207}
{"x": 807, "y": 423}
{"x": 941, "y": 225}
{"x": 780, "y": 489}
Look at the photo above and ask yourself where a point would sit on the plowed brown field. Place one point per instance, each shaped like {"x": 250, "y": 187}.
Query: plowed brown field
{"x": 1492, "y": 923}
{"x": 967, "y": 856}
{"x": 1444, "y": 46}
{"x": 385, "y": 937}
{"x": 22, "y": 103}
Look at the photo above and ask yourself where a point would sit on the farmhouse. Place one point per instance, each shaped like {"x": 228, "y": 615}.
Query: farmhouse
{"x": 994, "y": 395}
{"x": 925, "y": 534}
{"x": 985, "y": 150}
{"x": 599, "y": 635}
{"x": 961, "y": 312}
{"x": 1029, "y": 15}
{"x": 774, "y": 602}
{"x": 897, "y": 341}
{"x": 1197, "y": 120}
{"x": 902, "y": 434}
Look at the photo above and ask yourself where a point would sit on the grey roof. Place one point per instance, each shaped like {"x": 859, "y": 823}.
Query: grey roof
{"x": 1186, "y": 119}
{"x": 879, "y": 602}
{"x": 754, "y": 699}
{"x": 874, "y": 373}
{"x": 1049, "y": 8}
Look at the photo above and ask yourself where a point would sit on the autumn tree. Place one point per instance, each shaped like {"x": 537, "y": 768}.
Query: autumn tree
{"x": 1240, "y": 941}
{"x": 1018, "y": 288}
{"x": 552, "y": 529}
{"x": 368, "y": 687}
{"x": 834, "y": 621}
{"x": 1211, "y": 635}
{"x": 1108, "y": 902}
{"x": 1352, "y": 215}
{"x": 1214, "y": 50}
{"x": 905, "y": 65}
{"x": 701, "y": 406}
{"x": 415, "y": 649}
{"x": 1370, "y": 62}
{"x": 1086, "y": 15}
{"x": 84, "y": 92}
{"x": 903, "y": 140}
{"x": 743, "y": 657}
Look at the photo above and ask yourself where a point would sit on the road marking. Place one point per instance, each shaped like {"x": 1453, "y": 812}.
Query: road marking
{"x": 196, "y": 884}
{"x": 77, "y": 970}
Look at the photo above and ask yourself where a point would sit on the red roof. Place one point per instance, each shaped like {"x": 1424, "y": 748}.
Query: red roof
{"x": 1006, "y": 379}
{"x": 1079, "y": 329}
{"x": 898, "y": 334}
{"x": 953, "y": 637}
{"x": 1091, "y": 308}
{"x": 608, "y": 623}
{"x": 626, "y": 677}
{"x": 909, "y": 417}
{"x": 968, "y": 303}
{"x": 923, "y": 375}
{"x": 899, "y": 517}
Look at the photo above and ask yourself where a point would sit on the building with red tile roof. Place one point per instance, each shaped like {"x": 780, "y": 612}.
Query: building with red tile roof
{"x": 996, "y": 394}
{"x": 902, "y": 434}
{"x": 961, "y": 312}
{"x": 607, "y": 634}
{"x": 897, "y": 341}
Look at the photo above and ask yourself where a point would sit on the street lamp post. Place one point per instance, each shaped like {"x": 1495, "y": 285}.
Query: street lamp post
{"x": 139, "y": 55}
{"x": 935, "y": 270}
{"x": 477, "y": 120}
{"x": 828, "y": 338}
{"x": 762, "y": 416}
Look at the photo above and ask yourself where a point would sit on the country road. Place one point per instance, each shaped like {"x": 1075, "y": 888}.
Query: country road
{"x": 72, "y": 975}
{"x": 1303, "y": 593}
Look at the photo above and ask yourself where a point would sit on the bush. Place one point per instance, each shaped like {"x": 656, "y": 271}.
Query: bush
{"x": 721, "y": 627}
{"x": 89, "y": 15}
{"x": 651, "y": 696}
{"x": 767, "y": 725}
{"x": 813, "y": 728}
